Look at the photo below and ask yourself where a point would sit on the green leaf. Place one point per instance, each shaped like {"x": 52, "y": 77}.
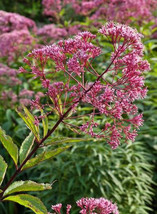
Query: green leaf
{"x": 3, "y": 168}
{"x": 9, "y": 145}
{"x": 61, "y": 140}
{"x": 30, "y": 122}
{"x": 22, "y": 186}
{"x": 115, "y": 180}
{"x": 45, "y": 123}
{"x": 43, "y": 156}
{"x": 29, "y": 201}
{"x": 26, "y": 146}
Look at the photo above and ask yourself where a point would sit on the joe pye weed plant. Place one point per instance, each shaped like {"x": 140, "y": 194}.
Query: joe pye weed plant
{"x": 109, "y": 94}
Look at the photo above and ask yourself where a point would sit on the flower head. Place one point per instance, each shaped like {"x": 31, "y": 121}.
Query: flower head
{"x": 91, "y": 205}
{"x": 110, "y": 93}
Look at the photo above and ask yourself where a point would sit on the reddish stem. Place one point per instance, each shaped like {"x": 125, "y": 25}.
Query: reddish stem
{"x": 19, "y": 169}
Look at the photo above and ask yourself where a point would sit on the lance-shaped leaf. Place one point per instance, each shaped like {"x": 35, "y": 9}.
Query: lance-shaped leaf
{"x": 32, "y": 119}
{"x": 30, "y": 122}
{"x": 25, "y": 186}
{"x": 3, "y": 168}
{"x": 43, "y": 156}
{"x": 26, "y": 147}
{"x": 29, "y": 201}
{"x": 45, "y": 123}
{"x": 9, "y": 145}
{"x": 62, "y": 140}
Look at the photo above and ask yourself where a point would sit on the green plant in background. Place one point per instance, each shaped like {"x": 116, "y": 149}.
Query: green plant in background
{"x": 29, "y": 8}
{"x": 149, "y": 107}
{"x": 22, "y": 156}
{"x": 124, "y": 175}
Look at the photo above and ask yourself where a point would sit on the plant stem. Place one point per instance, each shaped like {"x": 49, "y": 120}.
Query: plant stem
{"x": 18, "y": 170}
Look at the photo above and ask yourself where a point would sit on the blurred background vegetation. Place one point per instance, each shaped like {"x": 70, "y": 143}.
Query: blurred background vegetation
{"x": 28, "y": 8}
{"x": 127, "y": 175}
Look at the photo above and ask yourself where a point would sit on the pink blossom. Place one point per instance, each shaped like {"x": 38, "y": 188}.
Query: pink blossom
{"x": 8, "y": 76}
{"x": 26, "y": 93}
{"x": 137, "y": 120}
{"x": 113, "y": 92}
{"x": 130, "y": 135}
{"x": 123, "y": 11}
{"x": 50, "y": 33}
{"x": 13, "y": 21}
{"x": 25, "y": 101}
{"x": 117, "y": 10}
{"x": 91, "y": 205}
{"x": 140, "y": 10}
{"x": 68, "y": 208}
{"x": 51, "y": 7}
{"x": 57, "y": 208}
{"x": 73, "y": 29}
{"x": 46, "y": 83}
{"x": 14, "y": 43}
{"x": 39, "y": 95}
{"x": 8, "y": 97}
{"x": 25, "y": 97}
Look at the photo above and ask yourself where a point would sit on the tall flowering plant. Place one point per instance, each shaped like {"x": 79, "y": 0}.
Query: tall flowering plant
{"x": 109, "y": 94}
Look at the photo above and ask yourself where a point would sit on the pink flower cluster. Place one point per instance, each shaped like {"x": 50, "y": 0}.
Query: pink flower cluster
{"x": 124, "y": 10}
{"x": 87, "y": 7}
{"x": 14, "y": 43}
{"x": 116, "y": 10}
{"x": 13, "y": 21}
{"x": 15, "y": 36}
{"x": 110, "y": 93}
{"x": 9, "y": 79}
{"x": 90, "y": 205}
{"x": 51, "y": 33}
{"x": 53, "y": 7}
{"x": 8, "y": 76}
{"x": 11, "y": 99}
{"x": 8, "y": 98}
{"x": 119, "y": 10}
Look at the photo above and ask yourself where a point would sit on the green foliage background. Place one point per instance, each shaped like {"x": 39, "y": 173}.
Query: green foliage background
{"x": 127, "y": 176}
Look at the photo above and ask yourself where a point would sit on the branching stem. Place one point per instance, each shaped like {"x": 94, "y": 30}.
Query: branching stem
{"x": 19, "y": 169}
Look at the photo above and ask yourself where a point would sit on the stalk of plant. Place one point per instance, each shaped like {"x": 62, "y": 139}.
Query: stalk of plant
{"x": 39, "y": 143}
{"x": 109, "y": 97}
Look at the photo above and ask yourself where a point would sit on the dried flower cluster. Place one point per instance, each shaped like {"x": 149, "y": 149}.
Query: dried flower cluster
{"x": 90, "y": 205}
{"x": 110, "y": 93}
